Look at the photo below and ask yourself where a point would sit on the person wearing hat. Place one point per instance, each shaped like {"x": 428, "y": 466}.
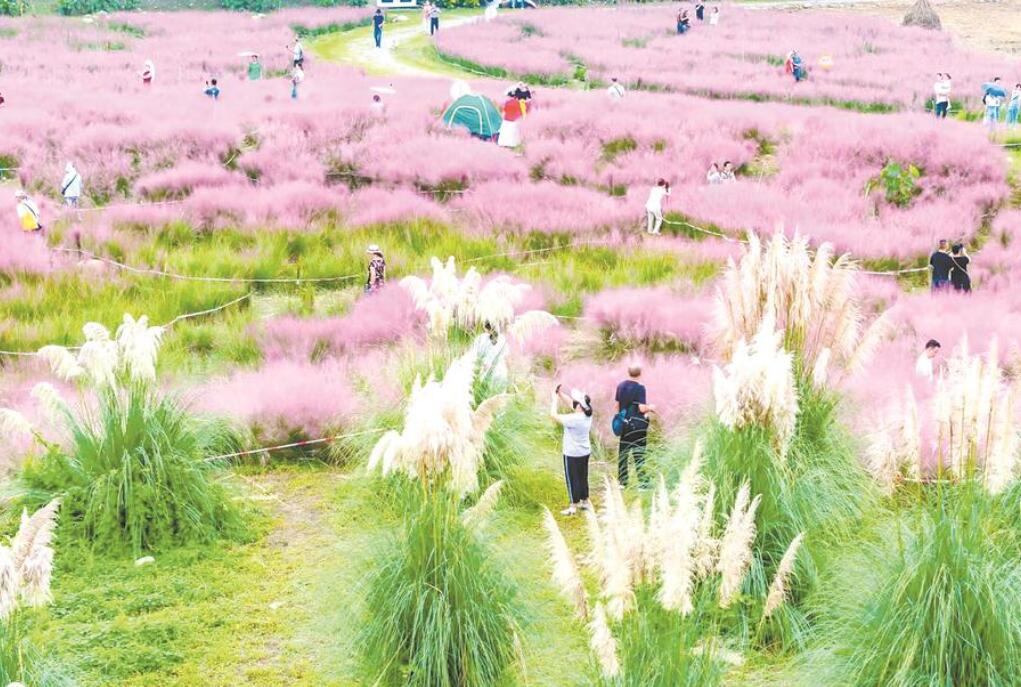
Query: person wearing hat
{"x": 71, "y": 186}
{"x": 510, "y": 131}
{"x": 28, "y": 212}
{"x": 377, "y": 270}
{"x": 577, "y": 445}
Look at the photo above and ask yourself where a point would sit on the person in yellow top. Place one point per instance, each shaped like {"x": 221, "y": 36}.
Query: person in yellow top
{"x": 28, "y": 212}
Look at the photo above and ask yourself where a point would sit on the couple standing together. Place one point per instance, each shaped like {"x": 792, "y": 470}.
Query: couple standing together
{"x": 950, "y": 267}
{"x": 630, "y": 423}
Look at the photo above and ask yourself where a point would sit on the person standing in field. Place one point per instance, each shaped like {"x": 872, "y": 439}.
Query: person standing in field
{"x": 941, "y": 95}
{"x": 148, "y": 73}
{"x": 700, "y": 10}
{"x": 28, "y": 213}
{"x": 510, "y": 130}
{"x": 434, "y": 19}
{"x": 298, "y": 54}
{"x": 297, "y": 77}
{"x": 212, "y": 90}
{"x": 616, "y": 90}
{"x": 425, "y": 14}
{"x": 634, "y": 436}
{"x": 683, "y": 22}
{"x": 713, "y": 176}
{"x": 714, "y": 16}
{"x": 654, "y": 206}
{"x": 254, "y": 69}
{"x": 376, "y": 278}
{"x": 728, "y": 175}
{"x": 960, "y": 280}
{"x": 992, "y": 101}
{"x": 577, "y": 446}
{"x": 925, "y": 364}
{"x": 1014, "y": 106}
{"x": 941, "y": 265}
{"x": 377, "y": 27}
{"x": 71, "y": 186}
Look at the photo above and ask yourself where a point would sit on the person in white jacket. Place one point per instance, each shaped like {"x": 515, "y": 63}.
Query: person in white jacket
{"x": 654, "y": 206}
{"x": 71, "y": 186}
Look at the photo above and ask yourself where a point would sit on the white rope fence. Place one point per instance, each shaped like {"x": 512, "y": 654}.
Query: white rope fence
{"x": 295, "y": 444}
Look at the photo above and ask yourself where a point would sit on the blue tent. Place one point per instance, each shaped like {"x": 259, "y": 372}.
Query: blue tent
{"x": 476, "y": 113}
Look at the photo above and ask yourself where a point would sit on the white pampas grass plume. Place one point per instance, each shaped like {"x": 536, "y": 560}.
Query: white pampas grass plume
{"x": 51, "y": 401}
{"x": 528, "y": 324}
{"x": 565, "y": 570}
{"x": 100, "y": 360}
{"x": 8, "y": 583}
{"x": 707, "y": 546}
{"x": 677, "y": 564}
{"x": 603, "y": 644}
{"x": 94, "y": 331}
{"x": 736, "y": 545}
{"x": 139, "y": 344}
{"x": 13, "y": 423}
{"x": 484, "y": 506}
{"x": 32, "y": 552}
{"x": 62, "y": 362}
{"x": 820, "y": 370}
{"x": 778, "y": 589}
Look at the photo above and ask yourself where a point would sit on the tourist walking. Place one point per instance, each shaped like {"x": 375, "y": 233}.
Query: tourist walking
{"x": 376, "y": 278}
{"x": 941, "y": 95}
{"x": 577, "y": 446}
{"x": 434, "y": 19}
{"x": 377, "y": 27}
{"x": 941, "y": 265}
{"x": 71, "y": 186}
{"x": 700, "y": 11}
{"x": 654, "y": 206}
{"x": 298, "y": 54}
{"x": 632, "y": 421}
{"x": 510, "y": 130}
{"x": 960, "y": 280}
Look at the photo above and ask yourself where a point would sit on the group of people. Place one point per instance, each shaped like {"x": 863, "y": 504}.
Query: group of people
{"x": 29, "y": 215}
{"x": 630, "y": 423}
{"x": 684, "y": 20}
{"x": 949, "y": 268}
{"x": 515, "y": 107}
{"x": 431, "y": 17}
{"x": 993, "y": 98}
{"x": 717, "y": 175}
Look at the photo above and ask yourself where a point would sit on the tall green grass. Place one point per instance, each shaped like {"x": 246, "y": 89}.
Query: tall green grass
{"x": 135, "y": 472}
{"x": 439, "y": 613}
{"x": 934, "y": 599}
{"x": 21, "y": 662}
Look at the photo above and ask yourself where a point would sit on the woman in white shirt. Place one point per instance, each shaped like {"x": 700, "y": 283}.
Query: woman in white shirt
{"x": 713, "y": 176}
{"x": 577, "y": 446}
{"x": 654, "y": 206}
{"x": 71, "y": 186}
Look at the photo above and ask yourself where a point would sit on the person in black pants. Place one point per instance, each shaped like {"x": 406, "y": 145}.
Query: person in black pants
{"x": 377, "y": 27}
{"x": 630, "y": 397}
{"x": 959, "y": 278}
{"x": 700, "y": 11}
{"x": 941, "y": 265}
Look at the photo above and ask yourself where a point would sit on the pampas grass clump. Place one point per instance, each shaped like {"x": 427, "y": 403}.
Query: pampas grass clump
{"x": 132, "y": 463}
{"x": 439, "y": 613}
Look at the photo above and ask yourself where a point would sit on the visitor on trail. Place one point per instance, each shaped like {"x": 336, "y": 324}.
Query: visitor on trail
{"x": 925, "y": 365}
{"x": 797, "y": 66}
{"x": 510, "y": 130}
{"x": 434, "y": 19}
{"x": 616, "y": 90}
{"x": 683, "y": 22}
{"x": 713, "y": 177}
{"x": 654, "y": 206}
{"x": 631, "y": 424}
{"x": 941, "y": 95}
{"x": 941, "y": 265}
{"x": 28, "y": 212}
{"x": 728, "y": 175}
{"x": 490, "y": 349}
{"x": 377, "y": 270}
{"x": 700, "y": 11}
{"x": 298, "y": 54}
{"x": 212, "y": 90}
{"x": 71, "y": 186}
{"x": 425, "y": 14}
{"x": 959, "y": 278}
{"x": 577, "y": 446}
{"x": 992, "y": 99}
{"x": 714, "y": 17}
{"x": 297, "y": 76}
{"x": 254, "y": 69}
{"x": 377, "y": 106}
{"x": 1014, "y": 106}
{"x": 377, "y": 27}
{"x": 148, "y": 72}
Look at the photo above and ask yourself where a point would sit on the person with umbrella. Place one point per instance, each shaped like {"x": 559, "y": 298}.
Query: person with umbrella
{"x": 992, "y": 99}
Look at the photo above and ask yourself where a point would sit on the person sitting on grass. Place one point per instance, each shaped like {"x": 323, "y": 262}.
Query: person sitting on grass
{"x": 577, "y": 446}
{"x": 212, "y": 90}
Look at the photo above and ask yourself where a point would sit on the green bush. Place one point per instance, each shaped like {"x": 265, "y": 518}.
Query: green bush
{"x": 250, "y": 5}
{"x": 439, "y": 613}
{"x": 77, "y": 7}
{"x": 13, "y": 8}
{"x": 899, "y": 183}
{"x": 135, "y": 473}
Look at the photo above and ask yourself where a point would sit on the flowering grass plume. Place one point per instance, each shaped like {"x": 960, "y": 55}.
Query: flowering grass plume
{"x": 778, "y": 589}
{"x": 27, "y": 565}
{"x": 565, "y": 570}
{"x": 736, "y": 546}
{"x": 757, "y": 387}
{"x": 484, "y": 506}
{"x": 105, "y": 362}
{"x": 604, "y": 646}
{"x": 444, "y": 435}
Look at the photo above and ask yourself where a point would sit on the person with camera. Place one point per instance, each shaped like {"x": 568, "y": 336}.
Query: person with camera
{"x": 577, "y": 445}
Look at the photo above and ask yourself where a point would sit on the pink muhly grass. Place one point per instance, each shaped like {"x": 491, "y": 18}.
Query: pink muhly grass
{"x": 652, "y": 316}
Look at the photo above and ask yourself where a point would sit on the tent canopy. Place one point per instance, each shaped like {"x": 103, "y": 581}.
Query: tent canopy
{"x": 477, "y": 113}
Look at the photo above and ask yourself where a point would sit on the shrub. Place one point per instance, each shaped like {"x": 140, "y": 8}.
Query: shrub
{"x": 250, "y": 5}
{"x": 13, "y": 8}
{"x": 439, "y": 612}
{"x": 77, "y": 7}
{"x": 899, "y": 183}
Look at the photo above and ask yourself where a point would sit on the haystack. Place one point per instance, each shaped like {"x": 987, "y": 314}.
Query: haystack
{"x": 922, "y": 14}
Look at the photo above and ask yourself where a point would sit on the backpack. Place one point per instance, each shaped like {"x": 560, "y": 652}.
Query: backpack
{"x": 622, "y": 421}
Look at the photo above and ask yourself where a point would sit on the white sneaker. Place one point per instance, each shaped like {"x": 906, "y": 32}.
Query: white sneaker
{"x": 569, "y": 511}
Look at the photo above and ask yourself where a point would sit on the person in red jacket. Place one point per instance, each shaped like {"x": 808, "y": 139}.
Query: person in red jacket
{"x": 510, "y": 130}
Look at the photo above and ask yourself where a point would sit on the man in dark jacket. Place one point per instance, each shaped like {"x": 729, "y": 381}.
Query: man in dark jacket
{"x": 631, "y": 399}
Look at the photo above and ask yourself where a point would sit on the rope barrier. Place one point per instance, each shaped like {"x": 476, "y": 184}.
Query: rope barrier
{"x": 296, "y": 444}
{"x": 171, "y": 323}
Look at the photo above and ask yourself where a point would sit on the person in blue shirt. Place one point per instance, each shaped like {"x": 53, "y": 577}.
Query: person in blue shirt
{"x": 212, "y": 90}
{"x": 377, "y": 27}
